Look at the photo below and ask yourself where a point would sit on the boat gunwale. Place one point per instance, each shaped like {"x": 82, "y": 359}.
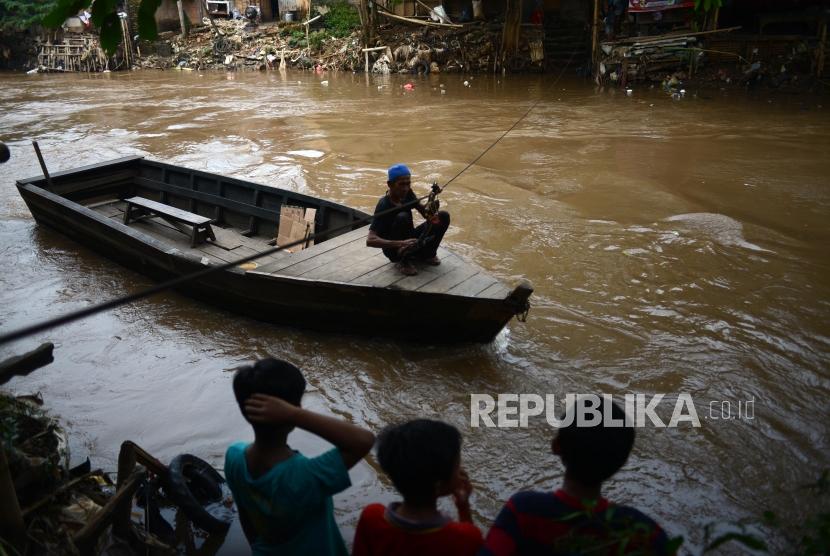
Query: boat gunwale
{"x": 168, "y": 249}
{"x": 35, "y": 187}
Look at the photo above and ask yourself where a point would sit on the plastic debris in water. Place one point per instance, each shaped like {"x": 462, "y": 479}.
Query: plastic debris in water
{"x": 324, "y": 83}
{"x": 409, "y": 86}
{"x": 629, "y": 92}
{"x": 466, "y": 83}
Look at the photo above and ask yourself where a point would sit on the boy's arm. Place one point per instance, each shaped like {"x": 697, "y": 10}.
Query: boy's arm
{"x": 461, "y": 497}
{"x": 352, "y": 441}
{"x": 247, "y": 526}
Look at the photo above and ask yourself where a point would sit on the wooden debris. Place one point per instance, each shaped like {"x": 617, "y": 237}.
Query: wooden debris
{"x": 419, "y": 22}
{"x": 22, "y": 365}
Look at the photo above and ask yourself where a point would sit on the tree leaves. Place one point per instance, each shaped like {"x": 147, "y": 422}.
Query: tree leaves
{"x": 64, "y": 9}
{"x": 17, "y": 15}
{"x": 106, "y": 20}
{"x": 100, "y": 10}
{"x": 147, "y": 19}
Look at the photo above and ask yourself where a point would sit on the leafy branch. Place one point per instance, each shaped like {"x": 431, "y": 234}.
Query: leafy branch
{"x": 105, "y": 18}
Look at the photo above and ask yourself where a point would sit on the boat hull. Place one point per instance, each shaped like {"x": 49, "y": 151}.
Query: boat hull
{"x": 284, "y": 300}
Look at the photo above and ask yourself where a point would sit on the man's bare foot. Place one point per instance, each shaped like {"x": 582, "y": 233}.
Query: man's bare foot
{"x": 434, "y": 261}
{"x": 407, "y": 268}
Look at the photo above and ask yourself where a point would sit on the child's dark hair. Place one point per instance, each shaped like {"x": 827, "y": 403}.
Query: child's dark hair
{"x": 418, "y": 454}
{"x": 593, "y": 454}
{"x": 270, "y": 376}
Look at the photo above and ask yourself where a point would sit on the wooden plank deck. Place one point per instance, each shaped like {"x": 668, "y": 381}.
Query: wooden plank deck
{"x": 230, "y": 245}
{"x": 343, "y": 259}
{"x": 346, "y": 259}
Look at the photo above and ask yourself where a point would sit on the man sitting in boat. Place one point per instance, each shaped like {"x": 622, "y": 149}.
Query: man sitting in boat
{"x": 393, "y": 230}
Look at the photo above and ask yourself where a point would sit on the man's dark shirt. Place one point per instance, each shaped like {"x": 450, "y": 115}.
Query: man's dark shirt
{"x": 382, "y": 225}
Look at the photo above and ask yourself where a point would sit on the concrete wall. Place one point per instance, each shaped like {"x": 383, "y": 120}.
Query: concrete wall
{"x": 167, "y": 16}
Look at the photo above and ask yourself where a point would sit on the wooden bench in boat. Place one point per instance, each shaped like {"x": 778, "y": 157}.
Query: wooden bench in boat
{"x": 138, "y": 207}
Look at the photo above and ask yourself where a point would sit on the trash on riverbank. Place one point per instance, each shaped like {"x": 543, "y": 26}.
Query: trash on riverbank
{"x": 273, "y": 46}
{"x": 63, "y": 510}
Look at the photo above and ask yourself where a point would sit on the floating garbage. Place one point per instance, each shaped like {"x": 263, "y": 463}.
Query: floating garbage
{"x": 629, "y": 91}
{"x": 409, "y": 86}
{"x": 324, "y": 83}
{"x": 466, "y": 83}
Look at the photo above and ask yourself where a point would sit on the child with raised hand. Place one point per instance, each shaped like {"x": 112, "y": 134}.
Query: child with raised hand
{"x": 284, "y": 498}
{"x": 423, "y": 460}
{"x": 576, "y": 519}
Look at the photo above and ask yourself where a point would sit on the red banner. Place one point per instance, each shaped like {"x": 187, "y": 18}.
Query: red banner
{"x": 635, "y": 6}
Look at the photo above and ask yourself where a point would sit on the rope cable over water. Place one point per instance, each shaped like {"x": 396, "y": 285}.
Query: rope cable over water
{"x": 181, "y": 280}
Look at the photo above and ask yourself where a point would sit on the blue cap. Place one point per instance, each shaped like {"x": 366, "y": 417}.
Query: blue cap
{"x": 397, "y": 171}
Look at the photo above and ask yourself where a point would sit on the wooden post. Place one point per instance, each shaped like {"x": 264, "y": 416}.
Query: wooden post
{"x": 114, "y": 509}
{"x": 181, "y": 18}
{"x": 715, "y": 19}
{"x": 366, "y": 51}
{"x": 822, "y": 45}
{"x": 595, "y": 36}
{"x": 307, "y": 25}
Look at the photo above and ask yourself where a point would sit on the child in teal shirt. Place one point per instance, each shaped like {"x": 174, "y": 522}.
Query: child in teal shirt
{"x": 283, "y": 497}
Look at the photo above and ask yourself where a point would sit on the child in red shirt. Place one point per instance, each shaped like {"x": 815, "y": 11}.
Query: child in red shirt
{"x": 423, "y": 460}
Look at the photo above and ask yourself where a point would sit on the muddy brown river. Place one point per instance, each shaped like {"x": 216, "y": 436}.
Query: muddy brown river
{"x": 676, "y": 247}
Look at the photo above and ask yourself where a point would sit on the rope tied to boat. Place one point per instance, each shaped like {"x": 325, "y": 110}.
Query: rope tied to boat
{"x": 521, "y": 314}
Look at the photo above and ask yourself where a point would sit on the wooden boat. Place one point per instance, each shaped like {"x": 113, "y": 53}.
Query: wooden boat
{"x": 338, "y": 284}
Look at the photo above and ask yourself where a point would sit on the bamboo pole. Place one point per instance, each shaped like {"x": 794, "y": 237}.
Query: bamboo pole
{"x": 181, "y": 18}
{"x": 366, "y": 51}
{"x": 595, "y": 36}
{"x": 419, "y": 22}
{"x": 636, "y": 41}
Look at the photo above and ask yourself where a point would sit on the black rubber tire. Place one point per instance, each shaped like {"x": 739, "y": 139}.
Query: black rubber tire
{"x": 192, "y": 483}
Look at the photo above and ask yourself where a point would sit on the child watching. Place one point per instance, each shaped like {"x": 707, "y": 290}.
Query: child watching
{"x": 284, "y": 498}
{"x": 423, "y": 460}
{"x": 576, "y": 519}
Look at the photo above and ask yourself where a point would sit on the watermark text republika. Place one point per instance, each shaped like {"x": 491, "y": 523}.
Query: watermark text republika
{"x": 590, "y": 410}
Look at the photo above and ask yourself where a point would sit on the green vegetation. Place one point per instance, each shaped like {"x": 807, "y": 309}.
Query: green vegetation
{"x": 104, "y": 17}
{"x": 807, "y": 536}
{"x": 341, "y": 19}
{"x": 707, "y": 5}
{"x": 18, "y": 15}
{"x": 316, "y": 39}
